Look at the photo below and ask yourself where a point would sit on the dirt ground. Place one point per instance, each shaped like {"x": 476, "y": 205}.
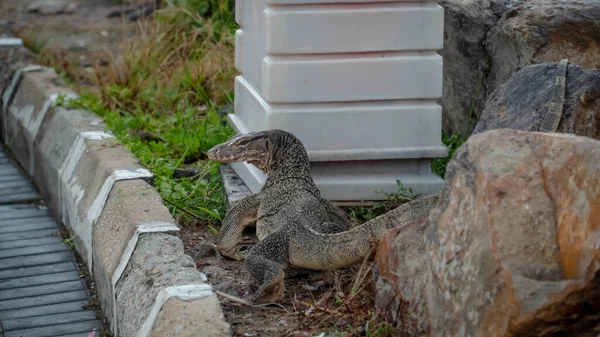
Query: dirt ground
{"x": 313, "y": 300}
{"x": 85, "y": 35}
{"x": 79, "y": 33}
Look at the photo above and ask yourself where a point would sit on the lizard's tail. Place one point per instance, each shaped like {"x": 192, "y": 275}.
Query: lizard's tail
{"x": 317, "y": 251}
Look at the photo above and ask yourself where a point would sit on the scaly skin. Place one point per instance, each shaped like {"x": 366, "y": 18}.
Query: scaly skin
{"x": 289, "y": 184}
{"x": 295, "y": 226}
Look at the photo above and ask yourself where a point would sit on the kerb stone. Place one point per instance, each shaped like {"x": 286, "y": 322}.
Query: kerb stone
{"x": 191, "y": 318}
{"x": 87, "y": 183}
{"x": 36, "y": 92}
{"x": 130, "y": 204}
{"x": 52, "y": 149}
{"x": 158, "y": 262}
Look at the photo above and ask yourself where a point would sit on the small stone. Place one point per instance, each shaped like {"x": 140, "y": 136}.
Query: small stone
{"x": 214, "y": 271}
{"x": 313, "y": 287}
{"x": 203, "y": 250}
{"x": 140, "y": 13}
{"x": 192, "y": 173}
{"x": 52, "y": 7}
{"x": 227, "y": 287}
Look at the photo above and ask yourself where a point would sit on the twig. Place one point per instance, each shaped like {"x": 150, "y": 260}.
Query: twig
{"x": 323, "y": 309}
{"x": 233, "y": 298}
{"x": 271, "y": 303}
{"x": 246, "y": 303}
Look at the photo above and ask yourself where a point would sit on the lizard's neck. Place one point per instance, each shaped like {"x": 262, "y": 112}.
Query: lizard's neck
{"x": 292, "y": 167}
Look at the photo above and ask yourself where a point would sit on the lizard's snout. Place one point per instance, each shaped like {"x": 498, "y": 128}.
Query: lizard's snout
{"x": 213, "y": 154}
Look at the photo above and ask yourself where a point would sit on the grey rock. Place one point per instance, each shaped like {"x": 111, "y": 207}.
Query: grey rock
{"x": 540, "y": 31}
{"x": 52, "y": 7}
{"x": 465, "y": 59}
{"x": 522, "y": 102}
{"x": 486, "y": 42}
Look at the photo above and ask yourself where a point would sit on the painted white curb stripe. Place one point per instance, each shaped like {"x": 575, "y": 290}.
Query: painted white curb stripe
{"x": 10, "y": 41}
{"x": 70, "y": 193}
{"x": 95, "y": 209}
{"x": 151, "y": 227}
{"x": 183, "y": 292}
{"x": 25, "y": 115}
{"x": 10, "y": 90}
{"x": 32, "y": 125}
{"x": 97, "y": 206}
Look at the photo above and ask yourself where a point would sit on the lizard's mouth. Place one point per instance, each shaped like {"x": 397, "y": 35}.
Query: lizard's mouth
{"x": 259, "y": 164}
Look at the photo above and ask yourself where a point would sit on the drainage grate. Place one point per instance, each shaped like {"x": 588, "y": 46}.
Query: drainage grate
{"x": 41, "y": 293}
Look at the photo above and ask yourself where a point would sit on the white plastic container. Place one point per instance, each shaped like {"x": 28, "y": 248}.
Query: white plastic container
{"x": 356, "y": 81}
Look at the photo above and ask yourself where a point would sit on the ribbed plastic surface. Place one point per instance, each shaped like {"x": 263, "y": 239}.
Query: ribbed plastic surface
{"x": 41, "y": 293}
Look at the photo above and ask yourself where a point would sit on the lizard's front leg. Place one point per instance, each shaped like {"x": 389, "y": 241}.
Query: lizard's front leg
{"x": 242, "y": 214}
{"x": 266, "y": 262}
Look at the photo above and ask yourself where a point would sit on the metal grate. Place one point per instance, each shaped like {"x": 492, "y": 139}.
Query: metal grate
{"x": 13, "y": 186}
{"x": 41, "y": 293}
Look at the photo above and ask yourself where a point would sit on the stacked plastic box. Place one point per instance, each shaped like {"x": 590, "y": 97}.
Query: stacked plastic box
{"x": 357, "y": 81}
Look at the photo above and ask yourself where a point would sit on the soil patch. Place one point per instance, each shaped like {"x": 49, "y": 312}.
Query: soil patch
{"x": 314, "y": 301}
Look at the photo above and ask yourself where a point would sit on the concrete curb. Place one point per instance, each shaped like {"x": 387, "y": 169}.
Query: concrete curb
{"x": 147, "y": 286}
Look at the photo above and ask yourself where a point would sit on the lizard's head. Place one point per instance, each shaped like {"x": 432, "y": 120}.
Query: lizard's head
{"x": 252, "y": 147}
{"x": 261, "y": 149}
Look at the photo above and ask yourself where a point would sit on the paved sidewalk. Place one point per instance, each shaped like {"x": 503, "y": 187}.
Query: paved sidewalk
{"x": 41, "y": 293}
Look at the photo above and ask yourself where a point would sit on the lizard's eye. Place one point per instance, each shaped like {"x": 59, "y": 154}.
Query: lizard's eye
{"x": 244, "y": 141}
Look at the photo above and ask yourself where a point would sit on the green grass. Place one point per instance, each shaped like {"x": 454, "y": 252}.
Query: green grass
{"x": 453, "y": 142}
{"x": 374, "y": 327}
{"x": 391, "y": 201}
{"x": 181, "y": 139}
{"x": 163, "y": 100}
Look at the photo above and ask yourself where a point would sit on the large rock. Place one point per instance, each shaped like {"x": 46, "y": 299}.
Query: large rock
{"x": 541, "y": 31}
{"x": 465, "y": 58}
{"x": 401, "y": 277}
{"x": 523, "y": 101}
{"x": 513, "y": 247}
{"x": 487, "y": 41}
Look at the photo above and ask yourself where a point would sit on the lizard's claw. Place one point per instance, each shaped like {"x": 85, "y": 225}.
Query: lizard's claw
{"x": 252, "y": 301}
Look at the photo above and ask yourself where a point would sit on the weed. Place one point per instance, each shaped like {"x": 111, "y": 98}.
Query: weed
{"x": 392, "y": 200}
{"x": 70, "y": 241}
{"x": 32, "y": 42}
{"x": 347, "y": 308}
{"x": 453, "y": 142}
